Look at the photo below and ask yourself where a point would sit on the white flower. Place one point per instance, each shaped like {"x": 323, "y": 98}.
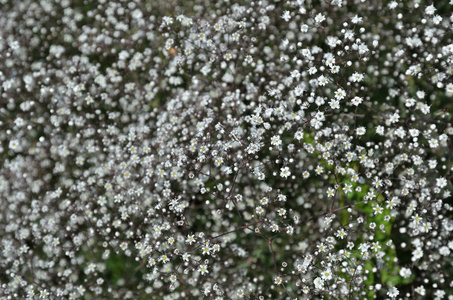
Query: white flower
{"x": 405, "y": 272}
{"x": 420, "y": 290}
{"x": 206, "y": 249}
{"x": 319, "y": 283}
{"x": 319, "y": 18}
{"x": 363, "y": 49}
{"x": 449, "y": 89}
{"x": 356, "y": 77}
{"x": 334, "y": 104}
{"x": 430, "y": 10}
{"x": 393, "y": 4}
{"x": 416, "y": 219}
{"x": 437, "y": 19}
{"x": 259, "y": 210}
{"x": 361, "y": 130}
{"x": 380, "y": 130}
{"x": 190, "y": 239}
{"x": 356, "y": 101}
{"x": 340, "y": 94}
{"x": 327, "y": 274}
{"x": 377, "y": 210}
{"x": 425, "y": 108}
{"x": 322, "y": 81}
{"x": 276, "y": 140}
{"x": 100, "y": 80}
{"x": 173, "y": 278}
{"x": 417, "y": 253}
{"x": 410, "y": 102}
{"x": 330, "y": 192}
{"x": 433, "y": 143}
{"x": 304, "y": 28}
{"x": 356, "y": 19}
{"x": 299, "y": 135}
{"x": 286, "y": 16}
{"x": 14, "y": 145}
{"x": 253, "y": 148}
{"x": 285, "y": 172}
{"x": 203, "y": 269}
{"x": 414, "y": 132}
{"x": 393, "y": 292}
{"x": 319, "y": 170}
{"x": 444, "y": 251}
{"x": 19, "y": 122}
{"x": 186, "y": 256}
{"x": 335, "y": 69}
{"x": 274, "y": 227}
{"x": 441, "y": 182}
{"x": 264, "y": 201}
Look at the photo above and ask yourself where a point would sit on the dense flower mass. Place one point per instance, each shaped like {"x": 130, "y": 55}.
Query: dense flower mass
{"x": 226, "y": 149}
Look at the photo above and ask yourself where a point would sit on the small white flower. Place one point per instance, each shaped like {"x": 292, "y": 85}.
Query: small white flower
{"x": 356, "y": 19}
{"x": 393, "y": 292}
{"x": 14, "y": 145}
{"x": 173, "y": 278}
{"x": 405, "y": 272}
{"x": 340, "y": 94}
{"x": 356, "y": 100}
{"x": 319, "y": 283}
{"x": 285, "y": 172}
{"x": 274, "y": 227}
{"x": 319, "y": 18}
{"x": 299, "y": 135}
{"x": 449, "y": 89}
{"x": 444, "y": 251}
{"x": 286, "y": 16}
{"x": 334, "y": 104}
{"x": 417, "y": 253}
{"x": 420, "y": 290}
{"x": 429, "y": 10}
{"x": 330, "y": 192}
{"x": 276, "y": 141}
{"x": 327, "y": 274}
{"x": 203, "y": 269}
{"x": 441, "y": 182}
{"x": 361, "y": 130}
{"x": 356, "y": 77}
{"x": 433, "y": 143}
{"x": 341, "y": 233}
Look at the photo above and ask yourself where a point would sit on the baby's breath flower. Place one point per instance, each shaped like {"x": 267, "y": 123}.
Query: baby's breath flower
{"x": 183, "y": 144}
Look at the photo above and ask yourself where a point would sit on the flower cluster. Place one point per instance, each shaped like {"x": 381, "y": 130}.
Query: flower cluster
{"x": 226, "y": 149}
